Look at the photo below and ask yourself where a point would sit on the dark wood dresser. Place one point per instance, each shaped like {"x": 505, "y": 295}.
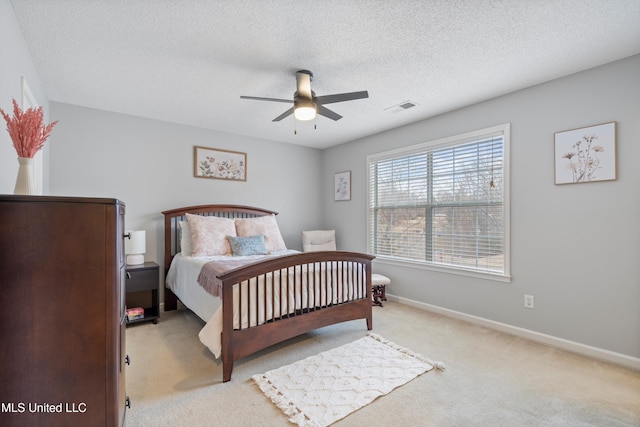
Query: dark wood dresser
{"x": 62, "y": 314}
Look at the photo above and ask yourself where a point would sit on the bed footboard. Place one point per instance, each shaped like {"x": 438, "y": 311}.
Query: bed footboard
{"x": 274, "y": 300}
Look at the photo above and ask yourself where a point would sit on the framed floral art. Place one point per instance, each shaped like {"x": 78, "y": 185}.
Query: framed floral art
{"x": 342, "y": 186}
{"x": 219, "y": 164}
{"x": 586, "y": 154}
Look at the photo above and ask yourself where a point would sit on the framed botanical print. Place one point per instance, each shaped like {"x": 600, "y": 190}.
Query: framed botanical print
{"x": 586, "y": 155}
{"x": 342, "y": 185}
{"x": 219, "y": 164}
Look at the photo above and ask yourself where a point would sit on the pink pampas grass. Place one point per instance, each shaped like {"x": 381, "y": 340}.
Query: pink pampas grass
{"x": 27, "y": 129}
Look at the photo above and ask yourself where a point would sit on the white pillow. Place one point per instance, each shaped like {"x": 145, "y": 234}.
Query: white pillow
{"x": 264, "y": 225}
{"x": 209, "y": 235}
{"x": 186, "y": 247}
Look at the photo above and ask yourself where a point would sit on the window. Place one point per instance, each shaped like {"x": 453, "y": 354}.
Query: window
{"x": 443, "y": 204}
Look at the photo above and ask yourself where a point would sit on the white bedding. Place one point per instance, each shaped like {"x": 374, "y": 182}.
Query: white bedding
{"x": 182, "y": 279}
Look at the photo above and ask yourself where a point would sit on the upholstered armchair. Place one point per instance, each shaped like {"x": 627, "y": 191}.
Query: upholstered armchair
{"x": 319, "y": 240}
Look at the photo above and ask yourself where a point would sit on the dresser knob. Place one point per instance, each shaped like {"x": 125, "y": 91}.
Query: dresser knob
{"x": 127, "y": 360}
{"x": 127, "y": 402}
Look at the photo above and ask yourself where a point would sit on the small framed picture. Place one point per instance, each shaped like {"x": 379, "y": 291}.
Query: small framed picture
{"x": 342, "y": 183}
{"x": 586, "y": 154}
{"x": 219, "y": 164}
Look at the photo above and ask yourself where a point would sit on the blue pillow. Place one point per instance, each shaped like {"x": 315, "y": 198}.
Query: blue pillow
{"x": 251, "y": 245}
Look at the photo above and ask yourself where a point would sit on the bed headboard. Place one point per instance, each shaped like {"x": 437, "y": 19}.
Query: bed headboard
{"x": 173, "y": 217}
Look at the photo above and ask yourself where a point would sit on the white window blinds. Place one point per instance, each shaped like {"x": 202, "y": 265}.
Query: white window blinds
{"x": 442, "y": 203}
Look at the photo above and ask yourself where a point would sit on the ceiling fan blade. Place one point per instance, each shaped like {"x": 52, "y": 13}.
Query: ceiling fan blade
{"x": 327, "y": 113}
{"x": 341, "y": 97}
{"x": 283, "y": 115}
{"x": 288, "y": 101}
{"x": 303, "y": 84}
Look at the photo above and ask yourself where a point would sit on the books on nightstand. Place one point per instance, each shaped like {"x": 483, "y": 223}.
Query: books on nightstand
{"x": 135, "y": 313}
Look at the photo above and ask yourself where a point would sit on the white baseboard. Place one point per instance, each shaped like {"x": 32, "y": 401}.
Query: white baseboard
{"x": 575, "y": 347}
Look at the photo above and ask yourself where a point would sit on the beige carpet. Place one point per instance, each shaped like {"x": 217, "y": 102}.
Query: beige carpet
{"x": 326, "y": 387}
{"x": 492, "y": 379}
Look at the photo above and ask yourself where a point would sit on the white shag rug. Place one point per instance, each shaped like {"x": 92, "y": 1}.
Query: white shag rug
{"x": 322, "y": 389}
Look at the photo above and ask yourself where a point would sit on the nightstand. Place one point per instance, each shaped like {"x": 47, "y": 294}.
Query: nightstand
{"x": 143, "y": 280}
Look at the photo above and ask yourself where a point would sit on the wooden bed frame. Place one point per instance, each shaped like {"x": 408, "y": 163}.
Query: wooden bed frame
{"x": 238, "y": 343}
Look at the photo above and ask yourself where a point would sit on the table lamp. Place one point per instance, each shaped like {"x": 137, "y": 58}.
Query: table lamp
{"x": 135, "y": 246}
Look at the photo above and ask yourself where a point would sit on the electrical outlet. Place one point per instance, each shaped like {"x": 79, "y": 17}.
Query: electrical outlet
{"x": 528, "y": 301}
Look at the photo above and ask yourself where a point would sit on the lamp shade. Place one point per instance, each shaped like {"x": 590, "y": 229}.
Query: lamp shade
{"x": 135, "y": 246}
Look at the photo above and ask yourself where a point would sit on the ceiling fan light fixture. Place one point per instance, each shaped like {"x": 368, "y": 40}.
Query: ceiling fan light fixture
{"x": 305, "y": 110}
{"x": 306, "y": 105}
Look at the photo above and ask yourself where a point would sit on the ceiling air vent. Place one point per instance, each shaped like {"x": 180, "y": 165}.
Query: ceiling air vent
{"x": 404, "y": 105}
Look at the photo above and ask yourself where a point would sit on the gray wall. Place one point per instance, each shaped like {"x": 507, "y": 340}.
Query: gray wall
{"x": 575, "y": 248}
{"x": 16, "y": 62}
{"x": 149, "y": 165}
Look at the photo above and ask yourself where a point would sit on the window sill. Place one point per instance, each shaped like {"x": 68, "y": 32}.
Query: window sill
{"x": 497, "y": 277}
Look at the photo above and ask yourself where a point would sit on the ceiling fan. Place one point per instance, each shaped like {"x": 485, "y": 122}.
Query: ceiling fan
{"x": 305, "y": 102}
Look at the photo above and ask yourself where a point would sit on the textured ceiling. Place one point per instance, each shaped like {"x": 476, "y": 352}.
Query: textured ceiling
{"x": 189, "y": 61}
